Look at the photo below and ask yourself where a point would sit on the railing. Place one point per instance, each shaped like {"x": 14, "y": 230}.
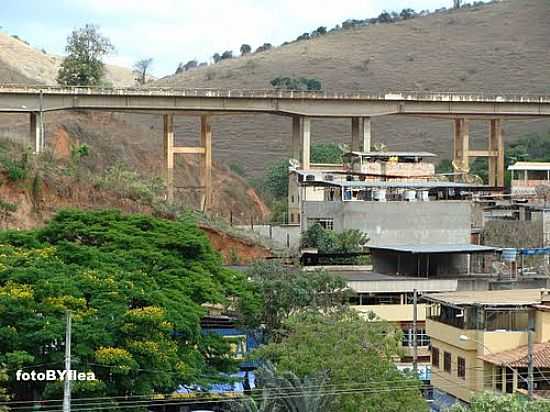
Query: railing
{"x": 444, "y": 96}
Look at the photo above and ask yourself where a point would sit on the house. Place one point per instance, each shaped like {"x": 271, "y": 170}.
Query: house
{"x": 526, "y": 176}
{"x": 479, "y": 340}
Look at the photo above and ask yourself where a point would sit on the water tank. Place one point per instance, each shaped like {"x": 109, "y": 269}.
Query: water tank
{"x": 409, "y": 196}
{"x": 380, "y": 195}
{"x": 423, "y": 195}
{"x": 509, "y": 254}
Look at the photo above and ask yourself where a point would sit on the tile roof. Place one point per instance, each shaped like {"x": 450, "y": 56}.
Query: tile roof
{"x": 517, "y": 358}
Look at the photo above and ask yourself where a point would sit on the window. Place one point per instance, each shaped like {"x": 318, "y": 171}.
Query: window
{"x": 435, "y": 357}
{"x": 422, "y": 339}
{"x": 324, "y": 222}
{"x": 447, "y": 362}
{"x": 461, "y": 367}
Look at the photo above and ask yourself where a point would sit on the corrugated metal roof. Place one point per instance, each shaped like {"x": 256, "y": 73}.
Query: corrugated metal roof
{"x": 517, "y": 358}
{"x": 530, "y": 166}
{"x": 436, "y": 248}
{"x": 514, "y": 297}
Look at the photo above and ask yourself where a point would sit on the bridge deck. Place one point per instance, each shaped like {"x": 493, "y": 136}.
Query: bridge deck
{"x": 15, "y": 98}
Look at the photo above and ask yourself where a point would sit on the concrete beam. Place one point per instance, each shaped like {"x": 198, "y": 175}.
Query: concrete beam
{"x": 188, "y": 150}
{"x": 482, "y": 153}
{"x": 34, "y": 99}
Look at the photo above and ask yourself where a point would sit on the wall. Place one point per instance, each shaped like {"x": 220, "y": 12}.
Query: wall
{"x": 278, "y": 234}
{"x": 394, "y": 313}
{"x": 398, "y": 222}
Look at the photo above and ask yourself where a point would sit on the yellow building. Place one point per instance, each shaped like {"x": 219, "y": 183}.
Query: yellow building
{"x": 479, "y": 340}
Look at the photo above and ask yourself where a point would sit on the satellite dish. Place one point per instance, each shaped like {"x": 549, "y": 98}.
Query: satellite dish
{"x": 294, "y": 164}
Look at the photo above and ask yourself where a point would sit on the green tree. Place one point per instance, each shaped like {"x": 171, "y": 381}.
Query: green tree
{"x": 444, "y": 166}
{"x": 279, "y": 291}
{"x": 135, "y": 285}
{"x": 356, "y": 354}
{"x": 329, "y": 241}
{"x": 83, "y": 65}
{"x": 245, "y": 49}
{"x": 326, "y": 153}
{"x": 286, "y": 392}
{"x": 490, "y": 402}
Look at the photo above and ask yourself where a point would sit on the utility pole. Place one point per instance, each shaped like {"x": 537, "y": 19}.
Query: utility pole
{"x": 530, "y": 357}
{"x": 415, "y": 340}
{"x": 67, "y": 383}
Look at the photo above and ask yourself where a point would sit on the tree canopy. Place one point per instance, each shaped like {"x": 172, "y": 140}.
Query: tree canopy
{"x": 356, "y": 354}
{"x": 85, "y": 49}
{"x": 279, "y": 291}
{"x": 490, "y": 402}
{"x": 135, "y": 285}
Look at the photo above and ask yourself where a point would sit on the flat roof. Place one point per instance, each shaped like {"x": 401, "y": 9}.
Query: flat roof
{"x": 391, "y": 154}
{"x": 436, "y": 248}
{"x": 530, "y": 166}
{"x": 366, "y": 276}
{"x": 514, "y": 297}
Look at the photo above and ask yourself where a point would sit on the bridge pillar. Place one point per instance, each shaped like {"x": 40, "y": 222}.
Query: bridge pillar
{"x": 496, "y": 154}
{"x": 306, "y": 142}
{"x": 461, "y": 144}
{"x": 168, "y": 140}
{"x": 206, "y": 163}
{"x": 294, "y": 146}
{"x": 37, "y": 132}
{"x": 361, "y": 134}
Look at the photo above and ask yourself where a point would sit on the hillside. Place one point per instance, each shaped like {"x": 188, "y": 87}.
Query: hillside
{"x": 21, "y": 63}
{"x": 498, "y": 48}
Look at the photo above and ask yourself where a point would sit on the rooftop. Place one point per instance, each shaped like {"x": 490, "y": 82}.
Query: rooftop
{"x": 391, "y": 154}
{"x": 436, "y": 248}
{"x": 517, "y": 357}
{"x": 530, "y": 166}
{"x": 514, "y": 297}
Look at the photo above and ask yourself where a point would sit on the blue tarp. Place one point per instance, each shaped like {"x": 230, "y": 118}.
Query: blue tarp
{"x": 533, "y": 251}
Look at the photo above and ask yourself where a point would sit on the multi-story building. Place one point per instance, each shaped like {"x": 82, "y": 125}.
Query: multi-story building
{"x": 479, "y": 340}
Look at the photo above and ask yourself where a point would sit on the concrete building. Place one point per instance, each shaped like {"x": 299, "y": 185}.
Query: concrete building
{"x": 390, "y": 166}
{"x": 526, "y": 176}
{"x": 479, "y": 339}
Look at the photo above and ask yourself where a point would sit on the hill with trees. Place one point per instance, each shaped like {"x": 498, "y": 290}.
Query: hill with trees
{"x": 494, "y": 48}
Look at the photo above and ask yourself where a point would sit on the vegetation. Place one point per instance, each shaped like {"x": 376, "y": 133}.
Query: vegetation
{"x": 279, "y": 291}
{"x": 135, "y": 285}
{"x": 83, "y": 65}
{"x": 532, "y": 147}
{"x": 286, "y": 392}
{"x": 141, "y": 70}
{"x": 490, "y": 402}
{"x": 355, "y": 353}
{"x": 245, "y": 49}
{"x": 326, "y": 153}
{"x": 329, "y": 241}
{"x": 291, "y": 83}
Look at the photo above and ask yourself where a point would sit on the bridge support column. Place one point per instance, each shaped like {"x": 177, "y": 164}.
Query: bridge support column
{"x": 496, "y": 154}
{"x": 206, "y": 163}
{"x": 306, "y": 142}
{"x": 461, "y": 145}
{"x": 361, "y": 134}
{"x": 168, "y": 140}
{"x": 294, "y": 146}
{"x": 37, "y": 132}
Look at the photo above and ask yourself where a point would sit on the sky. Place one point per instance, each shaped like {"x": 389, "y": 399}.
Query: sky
{"x": 173, "y": 31}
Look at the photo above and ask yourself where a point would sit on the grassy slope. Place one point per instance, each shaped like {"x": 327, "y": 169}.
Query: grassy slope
{"x": 499, "y": 48}
{"x": 21, "y": 63}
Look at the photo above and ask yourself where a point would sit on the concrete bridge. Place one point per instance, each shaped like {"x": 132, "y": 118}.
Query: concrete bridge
{"x": 300, "y": 106}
